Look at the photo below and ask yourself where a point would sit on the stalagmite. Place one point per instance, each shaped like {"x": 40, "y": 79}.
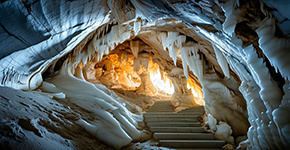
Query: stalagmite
{"x": 224, "y": 132}
{"x": 146, "y": 87}
{"x": 211, "y": 122}
{"x": 182, "y": 97}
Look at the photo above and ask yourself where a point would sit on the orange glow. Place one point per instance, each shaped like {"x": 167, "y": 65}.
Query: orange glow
{"x": 159, "y": 78}
{"x": 153, "y": 67}
{"x": 196, "y": 91}
{"x": 162, "y": 82}
{"x": 116, "y": 72}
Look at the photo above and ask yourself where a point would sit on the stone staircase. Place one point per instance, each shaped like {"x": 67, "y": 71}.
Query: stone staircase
{"x": 179, "y": 130}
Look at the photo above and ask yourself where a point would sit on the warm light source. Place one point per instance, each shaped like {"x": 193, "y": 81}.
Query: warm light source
{"x": 196, "y": 92}
{"x": 160, "y": 84}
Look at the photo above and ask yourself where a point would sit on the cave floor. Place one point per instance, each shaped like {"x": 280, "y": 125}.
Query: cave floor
{"x": 143, "y": 101}
{"x": 179, "y": 130}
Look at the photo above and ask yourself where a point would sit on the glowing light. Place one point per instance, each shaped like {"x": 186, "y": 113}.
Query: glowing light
{"x": 160, "y": 84}
{"x": 196, "y": 92}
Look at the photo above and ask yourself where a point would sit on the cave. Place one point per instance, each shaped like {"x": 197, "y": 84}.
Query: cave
{"x": 168, "y": 74}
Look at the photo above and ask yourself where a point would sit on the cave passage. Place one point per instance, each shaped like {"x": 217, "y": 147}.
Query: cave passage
{"x": 130, "y": 69}
{"x": 111, "y": 74}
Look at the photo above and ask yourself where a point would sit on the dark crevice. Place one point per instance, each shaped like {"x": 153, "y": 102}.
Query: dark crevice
{"x": 2, "y": 1}
{"x": 106, "y": 30}
{"x": 57, "y": 67}
{"x": 249, "y": 36}
{"x": 59, "y": 63}
{"x": 26, "y": 124}
{"x": 249, "y": 11}
{"x": 220, "y": 75}
{"x": 188, "y": 38}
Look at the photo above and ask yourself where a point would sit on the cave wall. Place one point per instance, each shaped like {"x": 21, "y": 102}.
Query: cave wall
{"x": 247, "y": 42}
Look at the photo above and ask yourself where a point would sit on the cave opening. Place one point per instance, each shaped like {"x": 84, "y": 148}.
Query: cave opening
{"x": 133, "y": 70}
{"x": 120, "y": 74}
{"x": 128, "y": 68}
{"x": 100, "y": 66}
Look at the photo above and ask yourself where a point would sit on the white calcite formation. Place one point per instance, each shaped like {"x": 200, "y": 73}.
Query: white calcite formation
{"x": 182, "y": 97}
{"x": 231, "y": 16}
{"x": 268, "y": 42}
{"x": 222, "y": 61}
{"x": 236, "y": 53}
{"x": 112, "y": 118}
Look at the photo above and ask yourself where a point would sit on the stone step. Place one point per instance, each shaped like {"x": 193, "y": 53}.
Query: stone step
{"x": 170, "y": 113}
{"x": 172, "y": 116}
{"x": 177, "y": 129}
{"x": 193, "y": 109}
{"x": 183, "y": 136}
{"x": 170, "y": 106}
{"x": 161, "y": 106}
{"x": 192, "y": 143}
{"x": 170, "y": 109}
{"x": 174, "y": 119}
{"x": 173, "y": 113}
{"x": 173, "y": 124}
{"x": 159, "y": 110}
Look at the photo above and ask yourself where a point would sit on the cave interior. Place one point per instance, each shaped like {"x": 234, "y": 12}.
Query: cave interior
{"x": 83, "y": 74}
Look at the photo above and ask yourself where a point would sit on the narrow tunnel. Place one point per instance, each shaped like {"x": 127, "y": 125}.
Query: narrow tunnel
{"x": 144, "y": 75}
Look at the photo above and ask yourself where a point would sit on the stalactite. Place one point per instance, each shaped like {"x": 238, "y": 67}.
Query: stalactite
{"x": 134, "y": 45}
{"x": 222, "y": 61}
{"x": 268, "y": 42}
